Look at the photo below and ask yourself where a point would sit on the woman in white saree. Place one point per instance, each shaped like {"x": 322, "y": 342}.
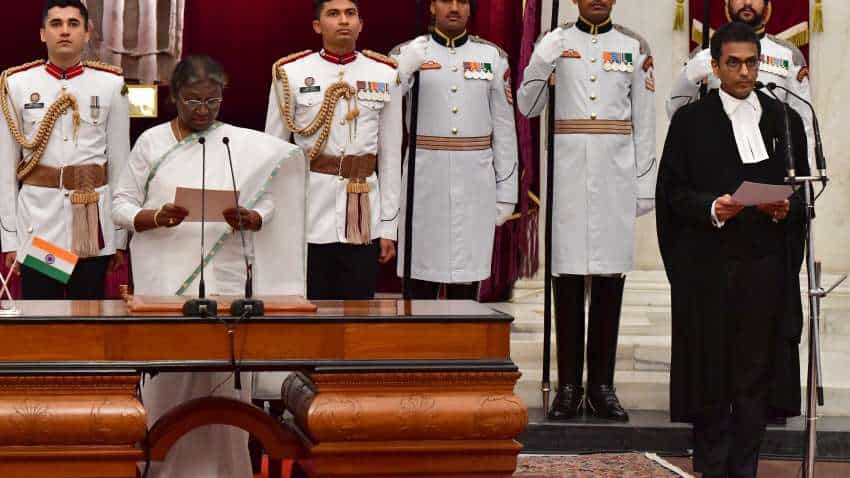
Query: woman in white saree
{"x": 270, "y": 176}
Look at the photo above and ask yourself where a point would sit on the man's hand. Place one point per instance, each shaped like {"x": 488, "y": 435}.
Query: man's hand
{"x": 726, "y": 208}
{"x": 551, "y": 46}
{"x": 11, "y": 262}
{"x": 776, "y": 210}
{"x": 387, "y": 251}
{"x": 170, "y": 215}
{"x": 251, "y": 220}
{"x": 116, "y": 261}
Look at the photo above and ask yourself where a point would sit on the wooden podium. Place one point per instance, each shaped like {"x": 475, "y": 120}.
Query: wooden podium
{"x": 384, "y": 388}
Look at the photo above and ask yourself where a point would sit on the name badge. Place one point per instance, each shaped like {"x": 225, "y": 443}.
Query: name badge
{"x": 35, "y": 102}
{"x": 310, "y": 86}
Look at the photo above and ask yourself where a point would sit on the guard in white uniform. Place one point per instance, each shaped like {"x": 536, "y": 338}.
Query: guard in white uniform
{"x": 344, "y": 109}
{"x": 466, "y": 159}
{"x": 781, "y": 63}
{"x": 64, "y": 140}
{"x": 604, "y": 177}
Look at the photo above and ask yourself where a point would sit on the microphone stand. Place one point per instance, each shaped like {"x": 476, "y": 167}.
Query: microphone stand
{"x": 814, "y": 382}
{"x": 202, "y": 307}
{"x": 247, "y": 306}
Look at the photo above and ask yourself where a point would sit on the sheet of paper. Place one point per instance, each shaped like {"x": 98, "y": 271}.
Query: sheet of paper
{"x": 217, "y": 200}
{"x": 753, "y": 194}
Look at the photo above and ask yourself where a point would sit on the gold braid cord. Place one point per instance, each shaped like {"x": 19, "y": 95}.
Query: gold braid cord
{"x": 323, "y": 120}
{"x": 42, "y": 136}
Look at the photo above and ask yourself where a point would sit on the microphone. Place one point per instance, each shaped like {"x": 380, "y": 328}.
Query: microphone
{"x": 247, "y": 306}
{"x": 202, "y": 307}
{"x": 789, "y": 150}
{"x": 820, "y": 159}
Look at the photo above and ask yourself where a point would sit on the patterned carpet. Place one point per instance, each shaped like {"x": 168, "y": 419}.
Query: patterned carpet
{"x": 631, "y": 465}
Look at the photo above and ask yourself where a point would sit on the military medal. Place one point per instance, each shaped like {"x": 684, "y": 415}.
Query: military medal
{"x": 95, "y": 108}
{"x": 373, "y": 91}
{"x": 617, "y": 61}
{"x": 473, "y": 70}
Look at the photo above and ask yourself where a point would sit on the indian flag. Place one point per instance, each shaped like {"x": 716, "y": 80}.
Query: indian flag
{"x": 50, "y": 260}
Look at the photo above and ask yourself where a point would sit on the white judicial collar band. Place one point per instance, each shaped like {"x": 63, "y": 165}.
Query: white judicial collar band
{"x": 745, "y": 116}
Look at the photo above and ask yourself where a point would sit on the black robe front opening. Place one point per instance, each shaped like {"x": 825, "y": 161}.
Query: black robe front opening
{"x": 699, "y": 164}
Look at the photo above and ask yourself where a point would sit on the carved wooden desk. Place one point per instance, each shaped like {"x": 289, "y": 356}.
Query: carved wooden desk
{"x": 384, "y": 388}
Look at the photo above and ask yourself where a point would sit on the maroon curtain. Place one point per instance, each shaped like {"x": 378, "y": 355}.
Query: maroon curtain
{"x": 248, "y": 37}
{"x": 786, "y": 16}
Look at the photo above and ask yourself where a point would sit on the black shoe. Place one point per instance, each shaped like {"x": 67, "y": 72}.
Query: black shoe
{"x": 712, "y": 475}
{"x": 602, "y": 402}
{"x": 567, "y": 402}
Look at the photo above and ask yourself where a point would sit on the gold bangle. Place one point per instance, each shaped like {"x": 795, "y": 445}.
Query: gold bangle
{"x": 155, "y": 214}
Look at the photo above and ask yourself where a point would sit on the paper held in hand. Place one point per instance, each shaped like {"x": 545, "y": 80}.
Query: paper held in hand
{"x": 753, "y": 194}
{"x": 217, "y": 201}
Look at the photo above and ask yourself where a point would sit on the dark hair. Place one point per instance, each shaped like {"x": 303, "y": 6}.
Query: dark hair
{"x": 734, "y": 32}
{"x": 318, "y": 5}
{"x": 66, "y": 3}
{"x": 196, "y": 68}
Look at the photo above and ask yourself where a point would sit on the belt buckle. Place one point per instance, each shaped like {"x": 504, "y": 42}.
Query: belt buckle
{"x": 339, "y": 170}
{"x": 61, "y": 178}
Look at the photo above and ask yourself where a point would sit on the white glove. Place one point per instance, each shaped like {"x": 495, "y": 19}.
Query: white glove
{"x": 504, "y": 211}
{"x": 412, "y": 56}
{"x": 699, "y": 67}
{"x": 645, "y": 206}
{"x": 551, "y": 46}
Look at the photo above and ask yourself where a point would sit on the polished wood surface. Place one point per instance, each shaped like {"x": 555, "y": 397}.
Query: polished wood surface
{"x": 93, "y": 333}
{"x": 398, "y": 388}
{"x": 173, "y": 305}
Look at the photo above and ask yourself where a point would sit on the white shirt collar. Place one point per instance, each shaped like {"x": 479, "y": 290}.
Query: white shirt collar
{"x": 745, "y": 115}
{"x": 731, "y": 104}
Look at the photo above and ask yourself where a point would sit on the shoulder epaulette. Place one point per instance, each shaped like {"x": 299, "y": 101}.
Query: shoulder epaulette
{"x": 478, "y": 39}
{"x": 26, "y": 66}
{"x": 644, "y": 45}
{"x": 291, "y": 58}
{"x": 391, "y": 62}
{"x": 101, "y": 66}
{"x": 796, "y": 55}
{"x": 397, "y": 49}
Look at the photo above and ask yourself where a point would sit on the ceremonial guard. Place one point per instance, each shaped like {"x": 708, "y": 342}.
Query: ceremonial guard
{"x": 466, "y": 158}
{"x": 344, "y": 109}
{"x": 604, "y": 177}
{"x": 64, "y": 139}
{"x": 782, "y": 63}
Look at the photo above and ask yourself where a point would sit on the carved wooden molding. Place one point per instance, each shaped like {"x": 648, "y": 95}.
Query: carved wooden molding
{"x": 70, "y": 410}
{"x": 278, "y": 441}
{"x": 397, "y": 406}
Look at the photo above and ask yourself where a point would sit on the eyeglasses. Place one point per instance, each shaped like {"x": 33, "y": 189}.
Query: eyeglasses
{"x": 734, "y": 64}
{"x": 211, "y": 103}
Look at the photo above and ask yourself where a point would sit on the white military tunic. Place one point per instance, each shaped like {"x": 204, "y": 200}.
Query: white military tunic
{"x": 781, "y": 63}
{"x": 465, "y": 92}
{"x": 598, "y": 178}
{"x": 103, "y": 137}
{"x": 377, "y": 130}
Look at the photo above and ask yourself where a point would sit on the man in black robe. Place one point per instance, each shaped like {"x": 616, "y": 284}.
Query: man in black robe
{"x": 733, "y": 270}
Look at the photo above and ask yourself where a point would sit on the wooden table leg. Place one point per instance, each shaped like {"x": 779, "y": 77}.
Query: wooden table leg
{"x": 70, "y": 426}
{"x": 428, "y": 425}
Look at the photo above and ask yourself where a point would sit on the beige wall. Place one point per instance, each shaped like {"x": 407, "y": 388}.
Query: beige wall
{"x": 831, "y": 87}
